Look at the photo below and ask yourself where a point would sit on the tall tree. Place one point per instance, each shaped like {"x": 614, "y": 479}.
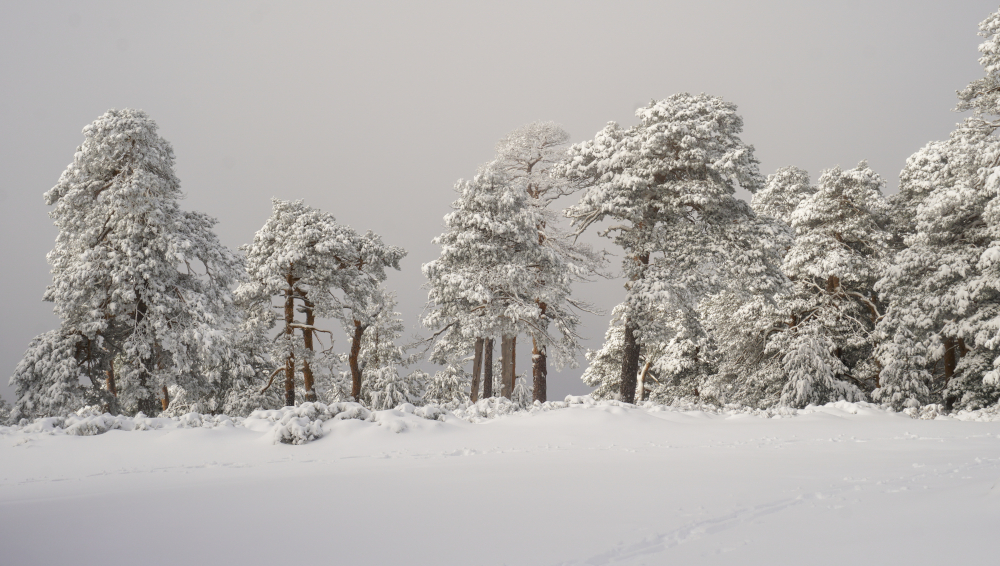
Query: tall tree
{"x": 483, "y": 284}
{"x": 527, "y": 156}
{"x": 668, "y": 183}
{"x": 315, "y": 267}
{"x": 939, "y": 332}
{"x": 140, "y": 286}
{"x": 839, "y": 252}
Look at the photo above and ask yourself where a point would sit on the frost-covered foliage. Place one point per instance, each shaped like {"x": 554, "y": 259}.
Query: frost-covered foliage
{"x": 5, "y": 409}
{"x": 47, "y": 381}
{"x": 838, "y": 254}
{"x": 931, "y": 281}
{"x": 448, "y": 386}
{"x": 140, "y": 286}
{"x": 481, "y": 285}
{"x": 782, "y": 192}
{"x": 939, "y": 332}
{"x": 318, "y": 268}
{"x": 604, "y": 368}
{"x": 382, "y": 361}
{"x": 484, "y": 284}
{"x": 527, "y": 157}
{"x": 668, "y": 183}
{"x": 522, "y": 395}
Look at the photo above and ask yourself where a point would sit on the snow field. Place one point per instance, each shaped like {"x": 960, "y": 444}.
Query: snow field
{"x": 571, "y": 483}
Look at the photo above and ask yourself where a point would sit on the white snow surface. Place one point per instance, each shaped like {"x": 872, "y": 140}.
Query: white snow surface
{"x": 576, "y": 482}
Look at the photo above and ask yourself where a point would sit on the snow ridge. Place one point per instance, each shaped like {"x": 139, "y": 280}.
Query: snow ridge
{"x": 311, "y": 421}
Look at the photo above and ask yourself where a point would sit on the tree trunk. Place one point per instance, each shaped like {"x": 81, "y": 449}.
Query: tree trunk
{"x": 488, "y": 369}
{"x": 353, "y": 361}
{"x": 166, "y": 398}
{"x": 630, "y": 351}
{"x": 950, "y": 359}
{"x": 289, "y": 332}
{"x": 539, "y": 360}
{"x": 539, "y": 371}
{"x": 307, "y": 338}
{"x": 112, "y": 386}
{"x": 508, "y": 345}
{"x": 832, "y": 283}
{"x": 641, "y": 387}
{"x": 477, "y": 366}
{"x": 630, "y": 363}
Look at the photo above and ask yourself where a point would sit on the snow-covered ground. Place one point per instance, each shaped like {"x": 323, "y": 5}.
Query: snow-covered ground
{"x": 586, "y": 484}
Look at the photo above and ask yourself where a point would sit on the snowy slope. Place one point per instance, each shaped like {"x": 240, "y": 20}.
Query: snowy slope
{"x": 587, "y": 484}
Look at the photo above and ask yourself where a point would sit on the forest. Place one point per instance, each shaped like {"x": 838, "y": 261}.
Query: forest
{"x": 816, "y": 291}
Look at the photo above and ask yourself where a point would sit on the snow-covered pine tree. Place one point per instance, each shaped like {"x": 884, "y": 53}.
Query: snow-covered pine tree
{"x": 839, "y": 252}
{"x": 380, "y": 359}
{"x": 318, "y": 268}
{"x": 483, "y": 284}
{"x": 527, "y": 155}
{"x": 939, "y": 216}
{"x": 782, "y": 192}
{"x": 939, "y": 332}
{"x": 5, "y": 410}
{"x": 669, "y": 184}
{"x": 140, "y": 286}
{"x": 604, "y": 365}
{"x": 47, "y": 381}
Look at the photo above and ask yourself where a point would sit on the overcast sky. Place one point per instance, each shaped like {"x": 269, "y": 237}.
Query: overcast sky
{"x": 373, "y": 111}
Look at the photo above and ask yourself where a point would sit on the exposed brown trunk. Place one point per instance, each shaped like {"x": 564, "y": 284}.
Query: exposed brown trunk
{"x": 539, "y": 371}
{"x": 950, "y": 359}
{"x": 508, "y": 346}
{"x": 630, "y": 363}
{"x": 832, "y": 283}
{"x": 166, "y": 398}
{"x": 111, "y": 385}
{"x": 871, "y": 307}
{"x": 289, "y": 331}
{"x": 359, "y": 330}
{"x": 307, "y": 339}
{"x": 962, "y": 348}
{"x": 477, "y": 366}
{"x": 488, "y": 369}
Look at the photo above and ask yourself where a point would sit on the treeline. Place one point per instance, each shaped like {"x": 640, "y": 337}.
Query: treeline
{"x": 813, "y": 292}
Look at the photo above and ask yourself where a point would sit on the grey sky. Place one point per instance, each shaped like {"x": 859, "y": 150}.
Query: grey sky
{"x": 371, "y": 111}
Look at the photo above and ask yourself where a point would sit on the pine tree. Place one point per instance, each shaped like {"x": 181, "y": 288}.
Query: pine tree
{"x": 381, "y": 360}
{"x": 304, "y": 257}
{"x": 47, "y": 380}
{"x": 940, "y": 328}
{"x": 140, "y": 286}
{"x": 483, "y": 284}
{"x": 669, "y": 184}
{"x": 839, "y": 252}
{"x": 604, "y": 365}
{"x": 782, "y": 192}
{"x": 527, "y": 156}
